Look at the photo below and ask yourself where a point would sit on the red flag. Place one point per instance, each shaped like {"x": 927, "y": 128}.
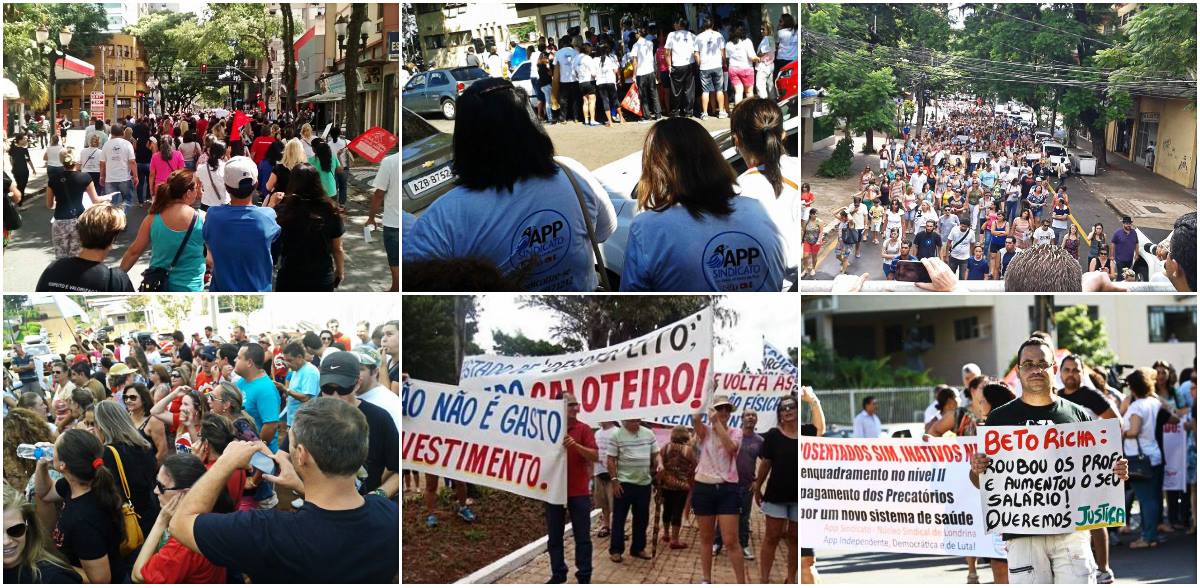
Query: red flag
{"x": 240, "y": 119}
{"x": 373, "y": 144}
{"x": 632, "y": 101}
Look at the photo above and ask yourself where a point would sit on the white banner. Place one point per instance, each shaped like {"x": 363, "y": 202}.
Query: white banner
{"x": 1174, "y": 452}
{"x": 666, "y": 372}
{"x": 775, "y": 361}
{"x": 500, "y": 441}
{"x": 892, "y": 495}
{"x": 760, "y": 392}
{"x": 1052, "y": 479}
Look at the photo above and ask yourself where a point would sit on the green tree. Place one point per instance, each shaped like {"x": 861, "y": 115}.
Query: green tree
{"x": 174, "y": 56}
{"x": 1083, "y": 335}
{"x": 24, "y": 64}
{"x": 594, "y": 322}
{"x": 519, "y": 344}
{"x": 824, "y": 369}
{"x": 1161, "y": 41}
{"x": 430, "y": 336}
{"x": 174, "y": 308}
{"x": 358, "y": 15}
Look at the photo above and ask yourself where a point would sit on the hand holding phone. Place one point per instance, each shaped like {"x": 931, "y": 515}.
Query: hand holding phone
{"x": 265, "y": 463}
{"x": 911, "y": 271}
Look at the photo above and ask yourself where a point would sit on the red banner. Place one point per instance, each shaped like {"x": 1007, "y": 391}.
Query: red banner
{"x": 632, "y": 101}
{"x": 374, "y": 144}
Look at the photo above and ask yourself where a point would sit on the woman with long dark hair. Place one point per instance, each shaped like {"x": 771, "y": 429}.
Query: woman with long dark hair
{"x": 164, "y": 229}
{"x": 326, "y": 166}
{"x": 310, "y": 238}
{"x": 757, "y": 125}
{"x": 22, "y": 163}
{"x": 210, "y": 170}
{"x": 695, "y": 234}
{"x": 608, "y": 67}
{"x": 90, "y": 526}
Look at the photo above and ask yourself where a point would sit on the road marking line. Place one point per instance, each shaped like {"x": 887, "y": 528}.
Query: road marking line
{"x": 1077, "y": 226}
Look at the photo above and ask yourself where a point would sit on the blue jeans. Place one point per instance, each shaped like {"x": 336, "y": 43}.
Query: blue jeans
{"x": 579, "y": 508}
{"x": 744, "y": 499}
{"x": 124, "y": 189}
{"x": 636, "y": 498}
{"x": 1149, "y": 497}
{"x": 340, "y": 180}
{"x": 545, "y": 95}
{"x": 143, "y": 187}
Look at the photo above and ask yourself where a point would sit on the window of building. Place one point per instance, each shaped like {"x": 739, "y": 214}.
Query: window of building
{"x": 904, "y": 338}
{"x": 435, "y": 42}
{"x": 557, "y": 25}
{"x": 966, "y": 328}
{"x": 426, "y": 8}
{"x": 1171, "y": 324}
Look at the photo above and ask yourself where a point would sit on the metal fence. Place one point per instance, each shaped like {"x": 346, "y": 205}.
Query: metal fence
{"x": 893, "y": 405}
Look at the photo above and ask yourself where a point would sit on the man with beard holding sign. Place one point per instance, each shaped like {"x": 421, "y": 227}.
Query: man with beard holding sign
{"x": 1043, "y": 559}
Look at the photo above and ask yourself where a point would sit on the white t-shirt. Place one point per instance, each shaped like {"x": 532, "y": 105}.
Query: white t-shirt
{"x": 1147, "y": 411}
{"x": 388, "y": 179}
{"x": 383, "y": 398}
{"x": 495, "y": 65}
{"x": 539, "y": 224}
{"x": 894, "y": 220}
{"x": 53, "y": 155}
{"x": 607, "y": 71}
{"x": 766, "y": 55}
{"x": 565, "y": 58}
{"x": 740, "y": 54}
{"x": 643, "y": 50}
{"x": 682, "y": 45}
{"x": 586, "y": 68}
{"x": 213, "y": 181}
{"x": 709, "y": 44}
{"x": 961, "y": 251}
{"x": 603, "y": 438}
{"x": 336, "y": 147}
{"x": 533, "y": 69}
{"x": 783, "y": 209}
{"x": 787, "y": 44}
{"x": 308, "y": 150}
{"x": 117, "y": 154}
{"x": 89, "y": 160}
{"x": 1043, "y": 236}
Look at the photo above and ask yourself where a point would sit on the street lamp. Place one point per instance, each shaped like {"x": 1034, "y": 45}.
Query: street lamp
{"x": 42, "y": 35}
{"x": 340, "y": 26}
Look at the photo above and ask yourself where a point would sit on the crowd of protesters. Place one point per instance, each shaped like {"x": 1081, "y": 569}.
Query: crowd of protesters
{"x": 163, "y": 461}
{"x": 235, "y": 202}
{"x": 1143, "y": 401}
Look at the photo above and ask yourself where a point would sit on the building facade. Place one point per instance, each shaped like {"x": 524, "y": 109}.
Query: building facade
{"x": 120, "y": 15}
{"x": 1159, "y": 134}
{"x": 946, "y": 331}
{"x": 447, "y": 30}
{"x": 121, "y": 74}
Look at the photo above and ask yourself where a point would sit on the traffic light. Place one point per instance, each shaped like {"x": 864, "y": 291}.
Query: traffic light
{"x": 203, "y": 68}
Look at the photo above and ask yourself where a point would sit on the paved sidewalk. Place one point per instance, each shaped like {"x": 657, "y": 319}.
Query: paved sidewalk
{"x": 671, "y": 566}
{"x": 1128, "y": 188}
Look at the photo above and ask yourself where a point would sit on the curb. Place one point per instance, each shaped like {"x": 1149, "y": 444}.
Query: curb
{"x": 509, "y": 563}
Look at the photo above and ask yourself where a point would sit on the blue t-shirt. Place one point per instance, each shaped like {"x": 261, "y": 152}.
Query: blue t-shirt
{"x": 308, "y": 381}
{"x": 309, "y": 545}
{"x": 987, "y": 178}
{"x": 261, "y": 401}
{"x": 27, "y": 376}
{"x": 672, "y": 251}
{"x": 537, "y": 229}
{"x": 240, "y": 238}
{"x": 976, "y": 268}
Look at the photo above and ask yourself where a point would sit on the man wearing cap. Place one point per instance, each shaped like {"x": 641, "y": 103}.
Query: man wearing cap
{"x": 239, "y": 235}
{"x": 1124, "y": 246}
{"x": 369, "y": 388}
{"x": 716, "y": 496}
{"x": 208, "y": 357}
{"x": 339, "y": 379}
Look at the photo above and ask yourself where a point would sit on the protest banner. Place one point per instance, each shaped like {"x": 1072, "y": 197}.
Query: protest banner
{"x": 760, "y": 392}
{"x": 892, "y": 495}
{"x": 1174, "y": 452}
{"x": 1052, "y": 479}
{"x": 775, "y": 361}
{"x": 373, "y": 145}
{"x": 665, "y": 372}
{"x": 501, "y": 441}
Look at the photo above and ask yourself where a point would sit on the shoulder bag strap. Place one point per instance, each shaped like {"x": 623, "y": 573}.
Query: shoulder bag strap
{"x": 587, "y": 220}
{"x": 183, "y": 243}
{"x": 961, "y": 239}
{"x": 208, "y": 169}
{"x": 121, "y": 471}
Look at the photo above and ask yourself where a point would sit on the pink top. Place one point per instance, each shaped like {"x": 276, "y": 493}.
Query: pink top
{"x": 718, "y": 464}
{"x": 163, "y": 169}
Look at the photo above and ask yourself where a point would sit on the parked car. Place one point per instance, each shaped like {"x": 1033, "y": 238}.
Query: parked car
{"x": 520, "y": 78}
{"x": 437, "y": 90}
{"x": 1058, "y": 156}
{"x": 427, "y": 154}
{"x": 787, "y": 81}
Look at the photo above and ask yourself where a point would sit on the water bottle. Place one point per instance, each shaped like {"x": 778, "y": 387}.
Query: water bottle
{"x": 38, "y": 451}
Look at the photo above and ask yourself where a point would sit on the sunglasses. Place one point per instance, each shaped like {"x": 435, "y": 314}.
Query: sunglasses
{"x": 176, "y": 375}
{"x": 331, "y": 389}
{"x": 17, "y": 531}
{"x": 788, "y": 406}
{"x": 162, "y": 488}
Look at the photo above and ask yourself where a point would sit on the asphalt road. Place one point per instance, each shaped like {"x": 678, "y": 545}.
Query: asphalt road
{"x": 592, "y": 146}
{"x": 1173, "y": 563}
{"x": 29, "y": 250}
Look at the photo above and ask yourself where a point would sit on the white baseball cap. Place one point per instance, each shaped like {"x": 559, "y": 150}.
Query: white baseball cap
{"x": 238, "y": 171}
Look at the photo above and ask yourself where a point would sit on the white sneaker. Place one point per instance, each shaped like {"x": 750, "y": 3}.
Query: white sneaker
{"x": 747, "y": 554}
{"x": 703, "y": 116}
{"x": 722, "y": 114}
{"x": 269, "y": 503}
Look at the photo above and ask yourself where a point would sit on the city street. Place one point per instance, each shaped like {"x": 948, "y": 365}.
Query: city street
{"x": 29, "y": 250}
{"x": 1124, "y": 188}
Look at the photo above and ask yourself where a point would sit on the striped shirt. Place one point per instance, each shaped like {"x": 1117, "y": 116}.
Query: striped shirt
{"x": 634, "y": 453}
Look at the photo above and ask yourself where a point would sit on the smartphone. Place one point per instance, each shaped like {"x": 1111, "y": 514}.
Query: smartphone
{"x": 264, "y": 463}
{"x": 912, "y": 271}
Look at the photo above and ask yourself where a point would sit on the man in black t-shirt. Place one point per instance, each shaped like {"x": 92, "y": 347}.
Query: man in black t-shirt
{"x": 98, "y": 227}
{"x": 182, "y": 350}
{"x": 340, "y": 377}
{"x": 928, "y": 242}
{"x": 1042, "y": 559}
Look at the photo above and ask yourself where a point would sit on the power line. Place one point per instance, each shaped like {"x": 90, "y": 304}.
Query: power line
{"x": 1045, "y": 26}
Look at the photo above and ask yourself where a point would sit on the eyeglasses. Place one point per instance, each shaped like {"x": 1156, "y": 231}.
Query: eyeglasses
{"x": 1030, "y": 366}
{"x": 176, "y": 375}
{"x": 787, "y": 406}
{"x": 326, "y": 339}
{"x": 162, "y": 489}
{"x": 58, "y": 372}
{"x": 331, "y": 389}
{"x": 17, "y": 531}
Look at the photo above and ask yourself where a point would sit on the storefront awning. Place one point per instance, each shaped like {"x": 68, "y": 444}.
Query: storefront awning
{"x": 326, "y": 97}
{"x": 73, "y": 68}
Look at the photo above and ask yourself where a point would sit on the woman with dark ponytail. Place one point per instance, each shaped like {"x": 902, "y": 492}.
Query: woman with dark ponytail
{"x": 174, "y": 563}
{"x": 90, "y": 529}
{"x": 772, "y": 176}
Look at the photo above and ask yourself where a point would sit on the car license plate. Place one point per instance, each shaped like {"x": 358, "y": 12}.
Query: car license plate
{"x": 429, "y": 181}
